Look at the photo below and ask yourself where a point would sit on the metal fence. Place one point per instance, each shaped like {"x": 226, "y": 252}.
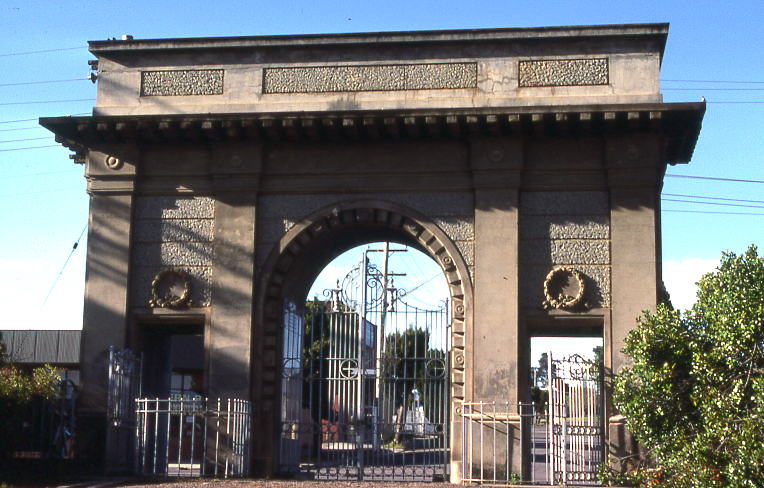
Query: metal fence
{"x": 492, "y": 436}
{"x": 47, "y": 427}
{"x": 181, "y": 437}
{"x": 124, "y": 385}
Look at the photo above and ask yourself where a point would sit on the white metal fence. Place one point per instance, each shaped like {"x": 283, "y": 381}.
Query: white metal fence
{"x": 181, "y": 437}
{"x": 491, "y": 434}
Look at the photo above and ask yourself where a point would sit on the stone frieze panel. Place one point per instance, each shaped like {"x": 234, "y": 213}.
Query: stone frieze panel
{"x": 320, "y": 79}
{"x": 182, "y": 82}
{"x": 563, "y": 72}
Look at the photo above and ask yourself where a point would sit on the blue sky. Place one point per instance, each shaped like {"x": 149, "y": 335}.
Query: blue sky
{"x": 43, "y": 205}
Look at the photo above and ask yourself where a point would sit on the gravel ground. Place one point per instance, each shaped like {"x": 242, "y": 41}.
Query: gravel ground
{"x": 284, "y": 484}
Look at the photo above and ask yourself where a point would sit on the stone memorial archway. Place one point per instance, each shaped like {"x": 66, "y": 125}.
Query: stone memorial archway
{"x": 224, "y": 172}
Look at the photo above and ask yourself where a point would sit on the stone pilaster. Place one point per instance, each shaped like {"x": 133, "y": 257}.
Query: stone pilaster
{"x": 235, "y": 172}
{"x": 634, "y": 168}
{"x": 496, "y": 165}
{"x": 105, "y": 315}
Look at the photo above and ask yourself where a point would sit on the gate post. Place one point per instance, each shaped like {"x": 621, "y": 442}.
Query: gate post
{"x": 495, "y": 363}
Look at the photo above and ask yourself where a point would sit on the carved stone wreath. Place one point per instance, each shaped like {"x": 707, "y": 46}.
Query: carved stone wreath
{"x": 554, "y": 293}
{"x": 163, "y": 287}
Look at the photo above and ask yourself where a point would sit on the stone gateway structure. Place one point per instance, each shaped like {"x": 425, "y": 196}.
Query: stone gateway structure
{"x": 225, "y": 173}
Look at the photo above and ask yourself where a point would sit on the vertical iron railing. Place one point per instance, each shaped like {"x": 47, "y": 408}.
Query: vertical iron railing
{"x": 576, "y": 420}
{"x": 365, "y": 385}
{"x": 491, "y": 434}
{"x": 47, "y": 426}
{"x": 123, "y": 386}
{"x": 193, "y": 437}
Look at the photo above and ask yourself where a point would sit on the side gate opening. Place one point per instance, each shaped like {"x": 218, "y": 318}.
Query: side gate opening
{"x": 365, "y": 382}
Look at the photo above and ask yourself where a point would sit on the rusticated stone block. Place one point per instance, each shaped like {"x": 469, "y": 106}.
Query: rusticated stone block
{"x": 564, "y": 203}
{"x": 565, "y": 227}
{"x": 174, "y": 230}
{"x": 563, "y": 72}
{"x": 182, "y": 82}
{"x": 173, "y": 253}
{"x": 174, "y": 207}
{"x": 467, "y": 250}
{"x": 457, "y": 228}
{"x": 566, "y": 252}
{"x": 317, "y": 79}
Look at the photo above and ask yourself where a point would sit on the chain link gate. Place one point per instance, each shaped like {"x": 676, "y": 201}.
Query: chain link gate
{"x": 576, "y": 421}
{"x": 365, "y": 384}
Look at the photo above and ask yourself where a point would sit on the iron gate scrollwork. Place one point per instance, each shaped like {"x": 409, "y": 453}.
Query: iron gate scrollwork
{"x": 365, "y": 384}
{"x": 576, "y": 420}
{"x": 124, "y": 385}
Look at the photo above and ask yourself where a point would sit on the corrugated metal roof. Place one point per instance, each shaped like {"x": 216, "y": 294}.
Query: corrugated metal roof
{"x": 69, "y": 346}
{"x": 42, "y": 346}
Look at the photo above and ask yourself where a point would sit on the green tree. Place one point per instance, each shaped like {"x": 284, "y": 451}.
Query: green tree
{"x": 17, "y": 391}
{"x": 694, "y": 396}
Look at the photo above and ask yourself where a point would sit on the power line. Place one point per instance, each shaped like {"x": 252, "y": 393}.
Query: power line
{"x": 49, "y": 101}
{"x": 707, "y": 89}
{"x": 23, "y": 53}
{"x": 35, "y": 119}
{"x": 42, "y": 82}
{"x": 420, "y": 285}
{"x": 714, "y": 81}
{"x": 712, "y": 198}
{"x": 753, "y": 102}
{"x": 55, "y": 281}
{"x": 711, "y": 203}
{"x": 29, "y": 175}
{"x": 28, "y": 147}
{"x": 27, "y": 139}
{"x": 710, "y": 212}
{"x": 23, "y": 128}
{"x": 715, "y": 178}
{"x": 42, "y": 192}
{"x": 17, "y": 120}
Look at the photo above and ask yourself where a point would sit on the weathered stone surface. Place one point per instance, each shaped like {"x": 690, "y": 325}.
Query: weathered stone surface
{"x": 564, "y": 203}
{"x": 174, "y": 230}
{"x": 174, "y": 207}
{"x": 565, "y": 227}
{"x": 467, "y": 250}
{"x": 182, "y": 82}
{"x": 563, "y": 72}
{"x": 457, "y": 228}
{"x": 435, "y": 204}
{"x": 318, "y": 79}
{"x": 201, "y": 283}
{"x": 597, "y": 281}
{"x": 566, "y": 251}
{"x": 272, "y": 230}
{"x": 173, "y": 253}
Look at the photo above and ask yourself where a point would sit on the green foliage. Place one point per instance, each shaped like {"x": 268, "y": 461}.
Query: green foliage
{"x": 17, "y": 391}
{"x": 694, "y": 397}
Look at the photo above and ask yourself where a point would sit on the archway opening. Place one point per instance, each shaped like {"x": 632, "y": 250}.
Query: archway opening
{"x": 365, "y": 362}
{"x": 567, "y": 395}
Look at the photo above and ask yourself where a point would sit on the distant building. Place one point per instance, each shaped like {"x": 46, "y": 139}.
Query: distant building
{"x": 28, "y": 349}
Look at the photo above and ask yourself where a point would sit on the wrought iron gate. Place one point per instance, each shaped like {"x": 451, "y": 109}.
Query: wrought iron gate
{"x": 576, "y": 444}
{"x": 124, "y": 385}
{"x": 365, "y": 387}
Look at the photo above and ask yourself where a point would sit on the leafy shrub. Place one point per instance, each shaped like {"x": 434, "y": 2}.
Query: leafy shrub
{"x": 694, "y": 397}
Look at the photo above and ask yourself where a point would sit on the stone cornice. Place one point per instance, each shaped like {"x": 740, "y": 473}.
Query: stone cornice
{"x": 371, "y": 39}
{"x": 678, "y": 123}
